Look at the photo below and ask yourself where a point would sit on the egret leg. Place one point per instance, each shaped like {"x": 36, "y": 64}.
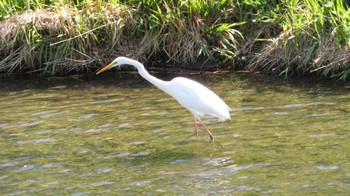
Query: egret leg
{"x": 209, "y": 133}
{"x": 195, "y": 126}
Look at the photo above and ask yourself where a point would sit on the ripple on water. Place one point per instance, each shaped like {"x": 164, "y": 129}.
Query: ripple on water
{"x": 44, "y": 140}
{"x": 4, "y": 126}
{"x": 218, "y": 161}
{"x": 52, "y": 183}
{"x": 30, "y": 124}
{"x": 8, "y": 163}
{"x": 307, "y": 104}
{"x": 47, "y": 113}
{"x": 15, "y": 134}
{"x": 140, "y": 183}
{"x": 167, "y": 163}
{"x": 24, "y": 158}
{"x": 42, "y": 132}
{"x": 94, "y": 130}
{"x": 325, "y": 167}
{"x": 297, "y": 105}
{"x": 105, "y": 101}
{"x": 102, "y": 183}
{"x": 281, "y": 113}
{"x": 67, "y": 170}
{"x": 319, "y": 135}
{"x": 59, "y": 87}
{"x": 4, "y": 177}
{"x": 125, "y": 125}
{"x": 50, "y": 165}
{"x": 53, "y": 114}
{"x": 235, "y": 189}
{"x": 139, "y": 154}
{"x": 225, "y": 170}
{"x": 43, "y": 112}
{"x": 104, "y": 170}
{"x": 25, "y": 168}
{"x": 36, "y": 167}
{"x": 87, "y": 116}
{"x": 105, "y": 125}
{"x": 124, "y": 154}
{"x": 80, "y": 193}
{"x": 314, "y": 115}
{"x": 87, "y": 174}
{"x": 137, "y": 143}
{"x": 178, "y": 161}
{"x": 163, "y": 113}
{"x": 21, "y": 192}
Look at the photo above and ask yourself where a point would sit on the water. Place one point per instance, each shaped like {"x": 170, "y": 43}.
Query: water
{"x": 117, "y": 134}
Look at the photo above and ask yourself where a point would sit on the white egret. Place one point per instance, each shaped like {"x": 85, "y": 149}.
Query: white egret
{"x": 195, "y": 97}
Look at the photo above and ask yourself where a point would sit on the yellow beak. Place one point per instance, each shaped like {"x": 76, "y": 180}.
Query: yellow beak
{"x": 107, "y": 67}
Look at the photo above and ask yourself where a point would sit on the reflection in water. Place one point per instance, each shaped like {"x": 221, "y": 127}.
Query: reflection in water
{"x": 121, "y": 135}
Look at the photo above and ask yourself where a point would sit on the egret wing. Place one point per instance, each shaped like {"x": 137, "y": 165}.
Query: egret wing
{"x": 198, "y": 98}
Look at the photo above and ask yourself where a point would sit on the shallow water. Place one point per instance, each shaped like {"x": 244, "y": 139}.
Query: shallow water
{"x": 119, "y": 134}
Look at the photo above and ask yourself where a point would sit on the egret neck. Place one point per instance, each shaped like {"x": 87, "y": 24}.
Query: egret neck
{"x": 161, "y": 84}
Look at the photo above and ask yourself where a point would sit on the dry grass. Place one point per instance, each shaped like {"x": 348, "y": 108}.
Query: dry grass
{"x": 289, "y": 38}
{"x": 281, "y": 55}
{"x": 330, "y": 59}
{"x": 65, "y": 39}
{"x": 59, "y": 41}
{"x": 314, "y": 39}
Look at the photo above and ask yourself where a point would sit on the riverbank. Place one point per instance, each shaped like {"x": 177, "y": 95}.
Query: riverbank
{"x": 305, "y": 38}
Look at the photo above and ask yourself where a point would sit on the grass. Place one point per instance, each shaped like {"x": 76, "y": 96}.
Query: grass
{"x": 314, "y": 39}
{"x": 285, "y": 37}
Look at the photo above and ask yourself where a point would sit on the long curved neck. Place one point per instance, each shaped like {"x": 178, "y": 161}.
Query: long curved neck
{"x": 155, "y": 81}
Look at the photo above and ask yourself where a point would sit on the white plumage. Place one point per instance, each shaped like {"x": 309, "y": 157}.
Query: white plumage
{"x": 198, "y": 99}
{"x": 195, "y": 97}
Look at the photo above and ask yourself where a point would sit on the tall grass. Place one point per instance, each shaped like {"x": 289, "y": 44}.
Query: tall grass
{"x": 288, "y": 37}
{"x": 64, "y": 37}
{"x": 315, "y": 39}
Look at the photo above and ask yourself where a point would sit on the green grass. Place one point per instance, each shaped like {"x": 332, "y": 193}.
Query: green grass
{"x": 314, "y": 39}
{"x": 287, "y": 37}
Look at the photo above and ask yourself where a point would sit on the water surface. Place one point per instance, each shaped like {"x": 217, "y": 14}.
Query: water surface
{"x": 119, "y": 134}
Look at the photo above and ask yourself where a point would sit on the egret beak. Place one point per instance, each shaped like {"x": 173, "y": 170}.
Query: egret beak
{"x": 107, "y": 67}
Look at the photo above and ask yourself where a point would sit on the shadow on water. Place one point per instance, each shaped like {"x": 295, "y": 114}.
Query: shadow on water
{"x": 116, "y": 133}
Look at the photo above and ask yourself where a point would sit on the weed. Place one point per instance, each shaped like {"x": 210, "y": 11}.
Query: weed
{"x": 285, "y": 37}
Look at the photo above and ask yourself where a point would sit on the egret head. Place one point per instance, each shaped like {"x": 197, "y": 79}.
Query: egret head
{"x": 116, "y": 63}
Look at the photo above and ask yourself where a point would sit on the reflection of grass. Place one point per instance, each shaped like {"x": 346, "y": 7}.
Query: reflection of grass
{"x": 247, "y": 100}
{"x": 56, "y": 37}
